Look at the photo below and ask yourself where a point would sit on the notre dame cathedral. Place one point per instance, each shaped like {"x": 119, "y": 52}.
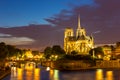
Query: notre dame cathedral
{"x": 80, "y": 43}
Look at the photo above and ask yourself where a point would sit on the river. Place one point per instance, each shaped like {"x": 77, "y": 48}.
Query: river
{"x": 42, "y": 73}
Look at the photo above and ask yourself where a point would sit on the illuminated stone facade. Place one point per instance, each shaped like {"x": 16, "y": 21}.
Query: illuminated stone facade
{"x": 80, "y": 43}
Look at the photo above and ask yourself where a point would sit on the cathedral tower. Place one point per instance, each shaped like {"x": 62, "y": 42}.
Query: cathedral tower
{"x": 68, "y": 33}
{"x": 81, "y": 43}
{"x": 78, "y": 33}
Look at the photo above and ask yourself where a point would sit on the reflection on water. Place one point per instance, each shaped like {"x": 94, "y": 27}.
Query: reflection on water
{"x": 37, "y": 74}
{"x": 109, "y": 75}
{"x": 20, "y": 74}
{"x": 27, "y": 73}
{"x": 13, "y": 73}
{"x": 30, "y": 72}
{"x": 54, "y": 75}
{"x": 100, "y": 75}
{"x": 78, "y": 75}
{"x": 48, "y": 68}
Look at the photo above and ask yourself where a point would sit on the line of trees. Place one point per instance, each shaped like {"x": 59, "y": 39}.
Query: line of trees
{"x": 8, "y": 51}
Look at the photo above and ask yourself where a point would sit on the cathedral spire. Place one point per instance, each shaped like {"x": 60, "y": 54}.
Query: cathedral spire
{"x": 78, "y": 32}
{"x": 79, "y": 27}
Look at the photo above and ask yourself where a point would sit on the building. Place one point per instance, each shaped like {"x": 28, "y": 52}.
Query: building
{"x": 107, "y": 50}
{"x": 112, "y": 50}
{"x": 117, "y": 49}
{"x": 80, "y": 43}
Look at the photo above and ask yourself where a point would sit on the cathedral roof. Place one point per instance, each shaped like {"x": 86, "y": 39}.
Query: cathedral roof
{"x": 82, "y": 37}
{"x": 72, "y": 38}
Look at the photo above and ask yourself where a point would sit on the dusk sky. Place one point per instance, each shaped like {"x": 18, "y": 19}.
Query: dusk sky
{"x": 50, "y": 17}
{"x": 24, "y": 12}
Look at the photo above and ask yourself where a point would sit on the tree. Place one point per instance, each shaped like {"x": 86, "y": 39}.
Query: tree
{"x": 73, "y": 53}
{"x": 112, "y": 47}
{"x": 3, "y": 51}
{"x": 47, "y": 52}
{"x": 11, "y": 50}
{"x": 8, "y": 51}
{"x": 35, "y": 53}
{"x": 97, "y": 51}
{"x": 57, "y": 50}
{"x": 118, "y": 44}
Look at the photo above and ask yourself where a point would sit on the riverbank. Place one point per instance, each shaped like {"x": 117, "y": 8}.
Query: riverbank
{"x": 82, "y": 65}
{"x": 4, "y": 73}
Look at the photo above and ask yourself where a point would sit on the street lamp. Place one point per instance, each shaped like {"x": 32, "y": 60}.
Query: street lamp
{"x": 93, "y": 51}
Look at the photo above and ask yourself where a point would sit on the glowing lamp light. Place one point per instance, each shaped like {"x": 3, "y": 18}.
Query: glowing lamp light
{"x": 48, "y": 68}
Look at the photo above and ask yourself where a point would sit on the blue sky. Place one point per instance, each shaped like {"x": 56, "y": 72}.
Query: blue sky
{"x": 24, "y": 12}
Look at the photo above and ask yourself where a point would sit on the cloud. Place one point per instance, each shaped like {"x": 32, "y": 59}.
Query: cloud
{"x": 97, "y": 32}
{"x": 4, "y": 35}
{"x": 104, "y": 13}
{"x": 41, "y": 35}
{"x": 9, "y": 39}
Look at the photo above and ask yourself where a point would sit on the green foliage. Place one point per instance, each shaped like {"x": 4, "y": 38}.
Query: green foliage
{"x": 55, "y": 50}
{"x": 77, "y": 57}
{"x": 97, "y": 51}
{"x": 112, "y": 47}
{"x": 47, "y": 52}
{"x": 73, "y": 53}
{"x": 84, "y": 58}
{"x": 3, "y": 50}
{"x": 11, "y": 50}
{"x": 8, "y": 51}
{"x": 35, "y": 53}
{"x": 118, "y": 44}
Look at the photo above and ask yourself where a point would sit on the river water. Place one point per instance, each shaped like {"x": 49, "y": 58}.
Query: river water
{"x": 42, "y": 73}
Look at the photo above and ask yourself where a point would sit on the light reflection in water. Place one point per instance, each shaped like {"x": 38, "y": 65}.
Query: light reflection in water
{"x": 48, "y": 68}
{"x": 51, "y": 74}
{"x": 99, "y": 74}
{"x": 13, "y": 73}
{"x": 32, "y": 73}
{"x": 54, "y": 75}
{"x": 29, "y": 66}
{"x": 20, "y": 74}
{"x": 37, "y": 74}
{"x": 29, "y": 72}
{"x": 109, "y": 75}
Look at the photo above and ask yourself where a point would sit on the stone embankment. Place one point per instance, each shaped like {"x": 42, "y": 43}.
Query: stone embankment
{"x": 80, "y": 65}
{"x": 4, "y": 71}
